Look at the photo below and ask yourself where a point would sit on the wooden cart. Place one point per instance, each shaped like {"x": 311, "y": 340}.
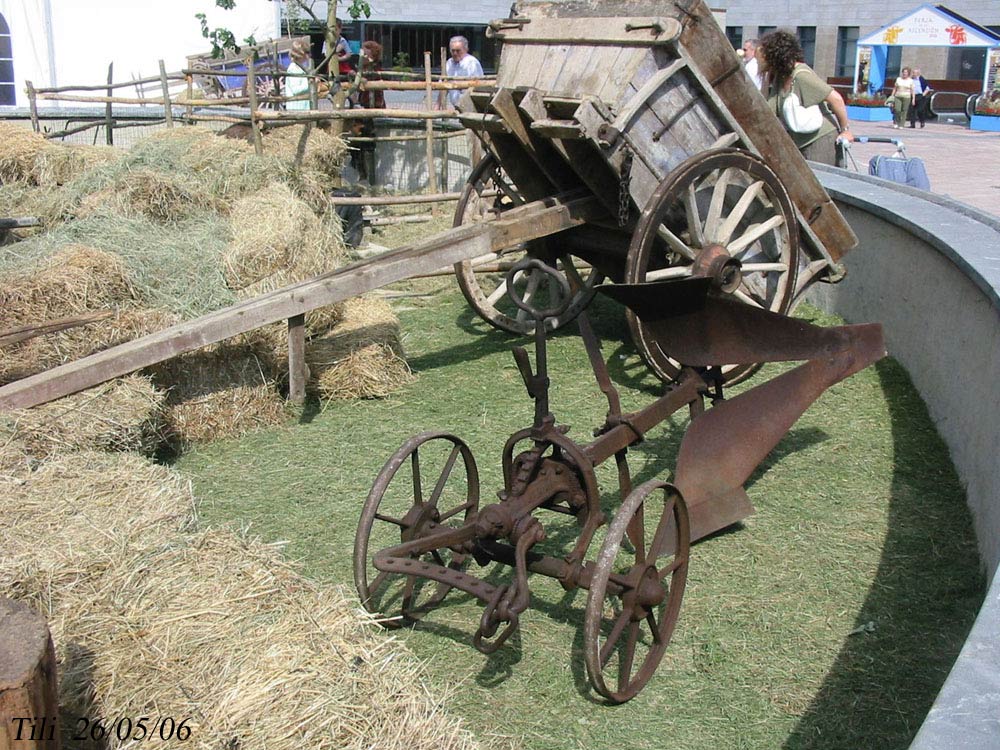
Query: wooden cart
{"x": 651, "y": 113}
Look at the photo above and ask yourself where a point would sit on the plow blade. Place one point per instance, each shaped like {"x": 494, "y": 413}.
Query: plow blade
{"x": 699, "y": 328}
{"x": 724, "y": 445}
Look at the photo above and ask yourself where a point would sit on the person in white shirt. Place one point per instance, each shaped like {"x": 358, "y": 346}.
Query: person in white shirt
{"x": 460, "y": 64}
{"x": 750, "y": 63}
{"x": 294, "y": 84}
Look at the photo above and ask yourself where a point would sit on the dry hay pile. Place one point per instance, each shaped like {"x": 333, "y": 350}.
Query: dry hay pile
{"x": 222, "y": 390}
{"x": 152, "y": 619}
{"x": 30, "y": 159}
{"x": 74, "y": 281}
{"x": 362, "y": 357}
{"x": 278, "y": 240}
{"x": 121, "y": 415}
{"x": 183, "y": 224}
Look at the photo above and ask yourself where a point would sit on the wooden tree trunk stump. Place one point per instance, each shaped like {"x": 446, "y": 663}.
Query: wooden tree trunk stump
{"x": 29, "y": 703}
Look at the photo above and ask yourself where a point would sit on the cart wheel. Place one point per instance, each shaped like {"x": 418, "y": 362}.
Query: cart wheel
{"x": 483, "y": 280}
{"x": 268, "y": 83}
{"x": 408, "y": 502}
{"x": 636, "y": 591}
{"x": 725, "y": 197}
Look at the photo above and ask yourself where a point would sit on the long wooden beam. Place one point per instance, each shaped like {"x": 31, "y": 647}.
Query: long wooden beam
{"x": 533, "y": 220}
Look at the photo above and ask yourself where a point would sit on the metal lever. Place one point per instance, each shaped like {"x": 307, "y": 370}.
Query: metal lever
{"x": 537, "y": 382}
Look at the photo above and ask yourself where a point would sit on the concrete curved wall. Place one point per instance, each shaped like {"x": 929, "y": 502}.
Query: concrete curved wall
{"x": 928, "y": 269}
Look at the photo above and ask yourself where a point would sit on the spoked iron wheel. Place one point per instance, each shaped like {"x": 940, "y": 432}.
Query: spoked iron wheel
{"x": 636, "y": 591}
{"x": 728, "y": 198}
{"x": 487, "y": 195}
{"x": 417, "y": 492}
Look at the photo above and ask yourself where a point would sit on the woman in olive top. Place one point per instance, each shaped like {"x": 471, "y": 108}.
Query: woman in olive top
{"x": 905, "y": 95}
{"x": 783, "y": 61}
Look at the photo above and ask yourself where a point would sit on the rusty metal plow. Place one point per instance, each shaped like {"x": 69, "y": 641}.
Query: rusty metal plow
{"x": 418, "y": 534}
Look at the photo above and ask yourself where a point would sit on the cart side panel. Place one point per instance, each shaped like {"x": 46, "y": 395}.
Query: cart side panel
{"x": 706, "y": 44}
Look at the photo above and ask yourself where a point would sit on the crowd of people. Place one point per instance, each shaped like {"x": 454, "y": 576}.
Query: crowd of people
{"x": 776, "y": 66}
{"x": 812, "y": 111}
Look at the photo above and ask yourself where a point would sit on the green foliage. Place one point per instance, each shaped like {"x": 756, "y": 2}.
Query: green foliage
{"x": 401, "y": 61}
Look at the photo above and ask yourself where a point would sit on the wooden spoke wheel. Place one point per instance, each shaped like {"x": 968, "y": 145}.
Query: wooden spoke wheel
{"x": 417, "y": 492}
{"x": 728, "y": 198}
{"x": 267, "y": 81}
{"x": 636, "y": 590}
{"x": 486, "y": 196}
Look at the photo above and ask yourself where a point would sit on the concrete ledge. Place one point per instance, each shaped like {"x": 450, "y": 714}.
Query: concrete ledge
{"x": 928, "y": 269}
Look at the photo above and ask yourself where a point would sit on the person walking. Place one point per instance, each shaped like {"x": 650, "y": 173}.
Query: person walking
{"x": 903, "y": 97}
{"x": 782, "y": 61}
{"x": 461, "y": 64}
{"x": 921, "y": 99}
{"x": 750, "y": 63}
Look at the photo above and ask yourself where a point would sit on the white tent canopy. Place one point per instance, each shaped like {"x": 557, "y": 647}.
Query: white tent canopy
{"x": 925, "y": 26}
{"x": 65, "y": 42}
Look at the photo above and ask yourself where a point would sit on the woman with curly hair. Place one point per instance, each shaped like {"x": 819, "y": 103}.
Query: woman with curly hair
{"x": 783, "y": 61}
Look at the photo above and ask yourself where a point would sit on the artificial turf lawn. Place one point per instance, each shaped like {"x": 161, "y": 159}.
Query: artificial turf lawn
{"x": 861, "y": 527}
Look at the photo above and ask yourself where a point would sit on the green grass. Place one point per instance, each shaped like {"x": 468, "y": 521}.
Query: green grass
{"x": 860, "y": 519}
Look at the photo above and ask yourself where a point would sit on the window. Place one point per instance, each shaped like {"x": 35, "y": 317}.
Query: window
{"x": 411, "y": 39}
{"x": 8, "y": 94}
{"x": 761, "y": 30}
{"x": 735, "y": 36}
{"x": 807, "y": 37}
{"x": 847, "y": 50}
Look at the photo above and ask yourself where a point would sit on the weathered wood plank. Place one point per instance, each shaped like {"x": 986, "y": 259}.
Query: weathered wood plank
{"x": 538, "y": 219}
{"x": 614, "y": 86}
{"x": 617, "y": 31}
{"x": 537, "y": 148}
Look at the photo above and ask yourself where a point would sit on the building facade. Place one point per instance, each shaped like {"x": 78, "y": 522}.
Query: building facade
{"x": 830, "y": 31}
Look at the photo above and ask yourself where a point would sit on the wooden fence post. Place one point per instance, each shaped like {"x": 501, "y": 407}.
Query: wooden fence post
{"x": 190, "y": 97}
{"x": 431, "y": 170}
{"x": 33, "y": 105}
{"x": 258, "y": 144}
{"x": 297, "y": 371}
{"x": 168, "y": 113}
{"x": 109, "y": 123}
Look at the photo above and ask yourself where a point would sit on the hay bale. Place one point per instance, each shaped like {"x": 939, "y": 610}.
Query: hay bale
{"x": 221, "y": 624}
{"x": 21, "y": 148}
{"x": 59, "y": 163}
{"x": 50, "y": 350}
{"x": 323, "y": 155}
{"x": 121, "y": 415}
{"x": 221, "y": 391}
{"x": 75, "y": 280}
{"x": 64, "y": 522}
{"x": 175, "y": 268}
{"x": 31, "y": 159}
{"x": 146, "y": 193}
{"x": 278, "y": 240}
{"x": 362, "y": 357}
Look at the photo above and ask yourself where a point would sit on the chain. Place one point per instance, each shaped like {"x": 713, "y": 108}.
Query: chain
{"x": 623, "y": 194}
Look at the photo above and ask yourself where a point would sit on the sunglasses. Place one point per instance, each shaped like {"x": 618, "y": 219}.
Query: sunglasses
{"x": 456, "y": 49}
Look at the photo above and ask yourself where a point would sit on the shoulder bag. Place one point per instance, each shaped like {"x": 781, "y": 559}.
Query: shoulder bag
{"x": 799, "y": 119}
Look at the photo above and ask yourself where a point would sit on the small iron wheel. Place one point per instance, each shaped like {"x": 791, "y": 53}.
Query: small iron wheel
{"x": 725, "y": 197}
{"x": 408, "y": 502}
{"x": 636, "y": 591}
{"x": 487, "y": 195}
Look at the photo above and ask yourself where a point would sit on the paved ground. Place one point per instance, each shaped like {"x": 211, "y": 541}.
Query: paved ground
{"x": 961, "y": 163}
